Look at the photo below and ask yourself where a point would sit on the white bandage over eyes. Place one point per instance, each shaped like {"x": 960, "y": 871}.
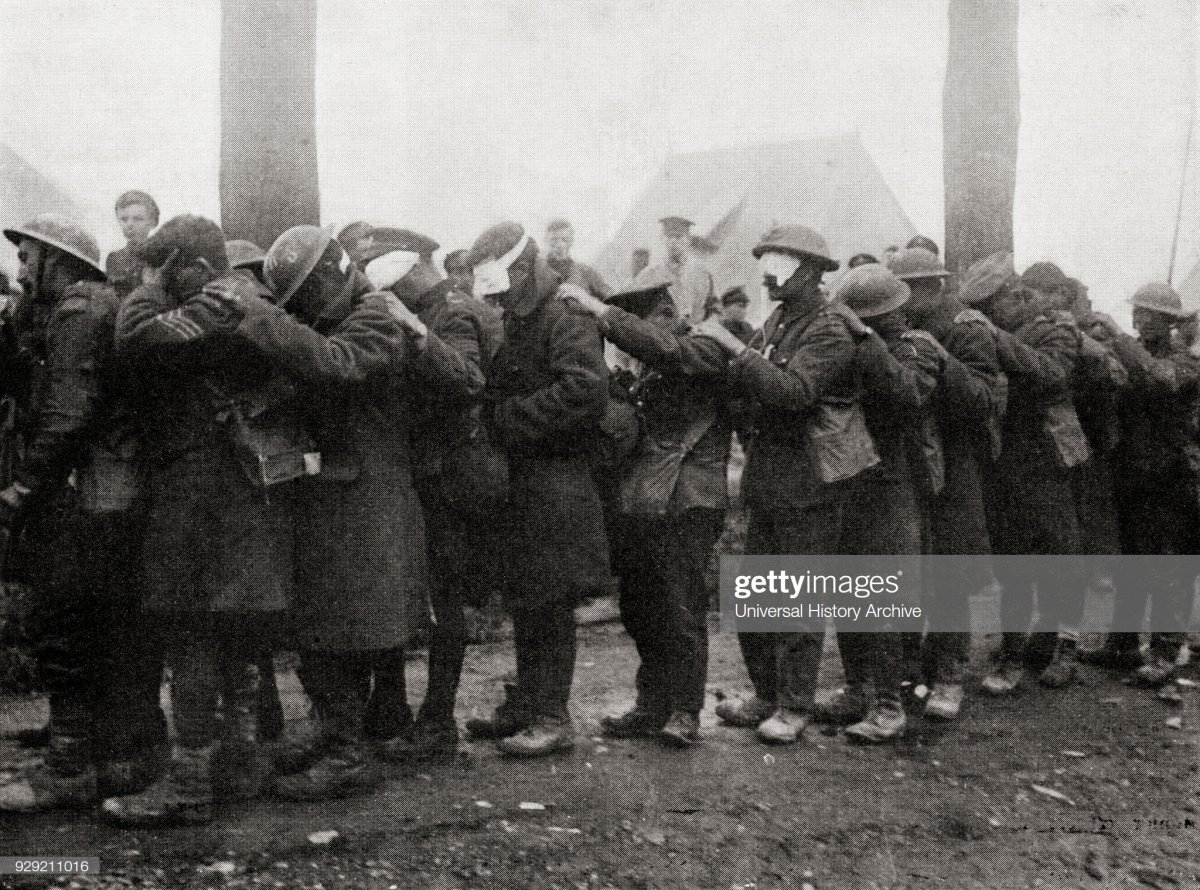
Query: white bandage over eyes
{"x": 781, "y": 266}
{"x": 386, "y": 270}
{"x": 491, "y": 277}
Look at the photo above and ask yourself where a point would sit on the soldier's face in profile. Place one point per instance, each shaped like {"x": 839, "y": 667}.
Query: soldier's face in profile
{"x": 558, "y": 244}
{"x": 924, "y": 292}
{"x": 136, "y": 223}
{"x": 29, "y": 258}
{"x": 734, "y": 311}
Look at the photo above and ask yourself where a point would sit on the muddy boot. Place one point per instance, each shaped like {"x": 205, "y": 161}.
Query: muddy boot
{"x": 747, "y": 712}
{"x": 885, "y": 722}
{"x": 640, "y": 722}
{"x": 511, "y": 716}
{"x": 67, "y": 779}
{"x": 346, "y": 766}
{"x": 1063, "y": 667}
{"x": 429, "y": 738}
{"x": 682, "y": 730}
{"x": 183, "y": 796}
{"x": 240, "y": 764}
{"x": 847, "y": 706}
{"x": 544, "y": 736}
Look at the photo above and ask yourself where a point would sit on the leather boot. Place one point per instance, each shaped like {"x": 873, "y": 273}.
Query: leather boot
{"x": 511, "y": 716}
{"x": 183, "y": 796}
{"x": 67, "y": 778}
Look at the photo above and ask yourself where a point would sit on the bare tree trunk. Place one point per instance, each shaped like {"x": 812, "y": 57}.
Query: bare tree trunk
{"x": 981, "y": 114}
{"x": 268, "y": 118}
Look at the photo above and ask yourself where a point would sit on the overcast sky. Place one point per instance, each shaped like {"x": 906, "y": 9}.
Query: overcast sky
{"x": 446, "y": 116}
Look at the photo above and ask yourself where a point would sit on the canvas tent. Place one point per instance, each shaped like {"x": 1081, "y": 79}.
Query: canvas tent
{"x": 735, "y": 195}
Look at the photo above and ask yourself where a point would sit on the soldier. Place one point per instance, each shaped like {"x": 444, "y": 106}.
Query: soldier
{"x": 459, "y": 272}
{"x": 218, "y": 550}
{"x": 669, "y": 525}
{"x": 356, "y": 606}
{"x": 969, "y": 403}
{"x": 901, "y": 369}
{"x": 1097, "y": 384}
{"x": 80, "y": 543}
{"x": 547, "y": 395}
{"x": 560, "y": 236}
{"x": 137, "y": 213}
{"x": 1155, "y": 487}
{"x": 733, "y": 313}
{"x": 459, "y": 492}
{"x": 691, "y": 284}
{"x": 1028, "y": 496}
{"x": 795, "y": 488}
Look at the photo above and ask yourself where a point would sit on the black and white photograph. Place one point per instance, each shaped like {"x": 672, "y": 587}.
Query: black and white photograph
{"x": 600, "y": 444}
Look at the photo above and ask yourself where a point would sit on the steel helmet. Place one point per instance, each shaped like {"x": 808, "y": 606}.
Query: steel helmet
{"x": 244, "y": 254}
{"x": 871, "y": 290}
{"x": 59, "y": 232}
{"x": 1160, "y": 297}
{"x": 292, "y": 258}
{"x": 917, "y": 262}
{"x": 798, "y": 241}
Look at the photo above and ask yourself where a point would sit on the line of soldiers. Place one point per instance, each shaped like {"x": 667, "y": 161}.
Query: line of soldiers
{"x": 301, "y": 448}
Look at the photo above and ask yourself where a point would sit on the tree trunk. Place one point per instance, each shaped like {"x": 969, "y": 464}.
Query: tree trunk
{"x": 981, "y": 114}
{"x": 268, "y": 118}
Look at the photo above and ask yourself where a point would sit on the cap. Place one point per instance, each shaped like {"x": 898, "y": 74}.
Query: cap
{"x": 986, "y": 276}
{"x": 643, "y": 301}
{"x": 495, "y": 242}
{"x": 386, "y": 239}
{"x": 195, "y": 237}
{"x": 243, "y": 254}
{"x": 1044, "y": 277}
{"x": 676, "y": 225}
{"x": 916, "y": 262}
{"x": 860, "y": 259}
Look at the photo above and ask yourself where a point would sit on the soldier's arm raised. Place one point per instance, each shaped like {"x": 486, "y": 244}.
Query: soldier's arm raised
{"x": 692, "y": 354}
{"x": 826, "y": 356}
{"x": 1044, "y": 364}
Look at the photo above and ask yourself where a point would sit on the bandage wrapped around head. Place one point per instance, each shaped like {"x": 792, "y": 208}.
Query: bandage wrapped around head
{"x": 386, "y": 270}
{"x": 491, "y": 276}
{"x": 780, "y": 266}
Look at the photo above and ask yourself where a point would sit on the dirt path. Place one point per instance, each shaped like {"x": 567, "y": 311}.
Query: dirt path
{"x": 949, "y": 808}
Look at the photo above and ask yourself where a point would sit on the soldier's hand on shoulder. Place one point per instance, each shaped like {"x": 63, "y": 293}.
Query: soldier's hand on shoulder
{"x": 590, "y": 304}
{"x": 406, "y": 318}
{"x": 725, "y": 338}
{"x": 157, "y": 275}
{"x": 855, "y": 325}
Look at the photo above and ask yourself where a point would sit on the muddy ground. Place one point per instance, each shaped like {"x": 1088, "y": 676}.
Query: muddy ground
{"x": 950, "y": 807}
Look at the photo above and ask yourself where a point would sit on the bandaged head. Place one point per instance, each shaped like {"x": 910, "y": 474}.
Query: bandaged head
{"x": 386, "y": 270}
{"x": 491, "y": 276}
{"x": 780, "y": 266}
